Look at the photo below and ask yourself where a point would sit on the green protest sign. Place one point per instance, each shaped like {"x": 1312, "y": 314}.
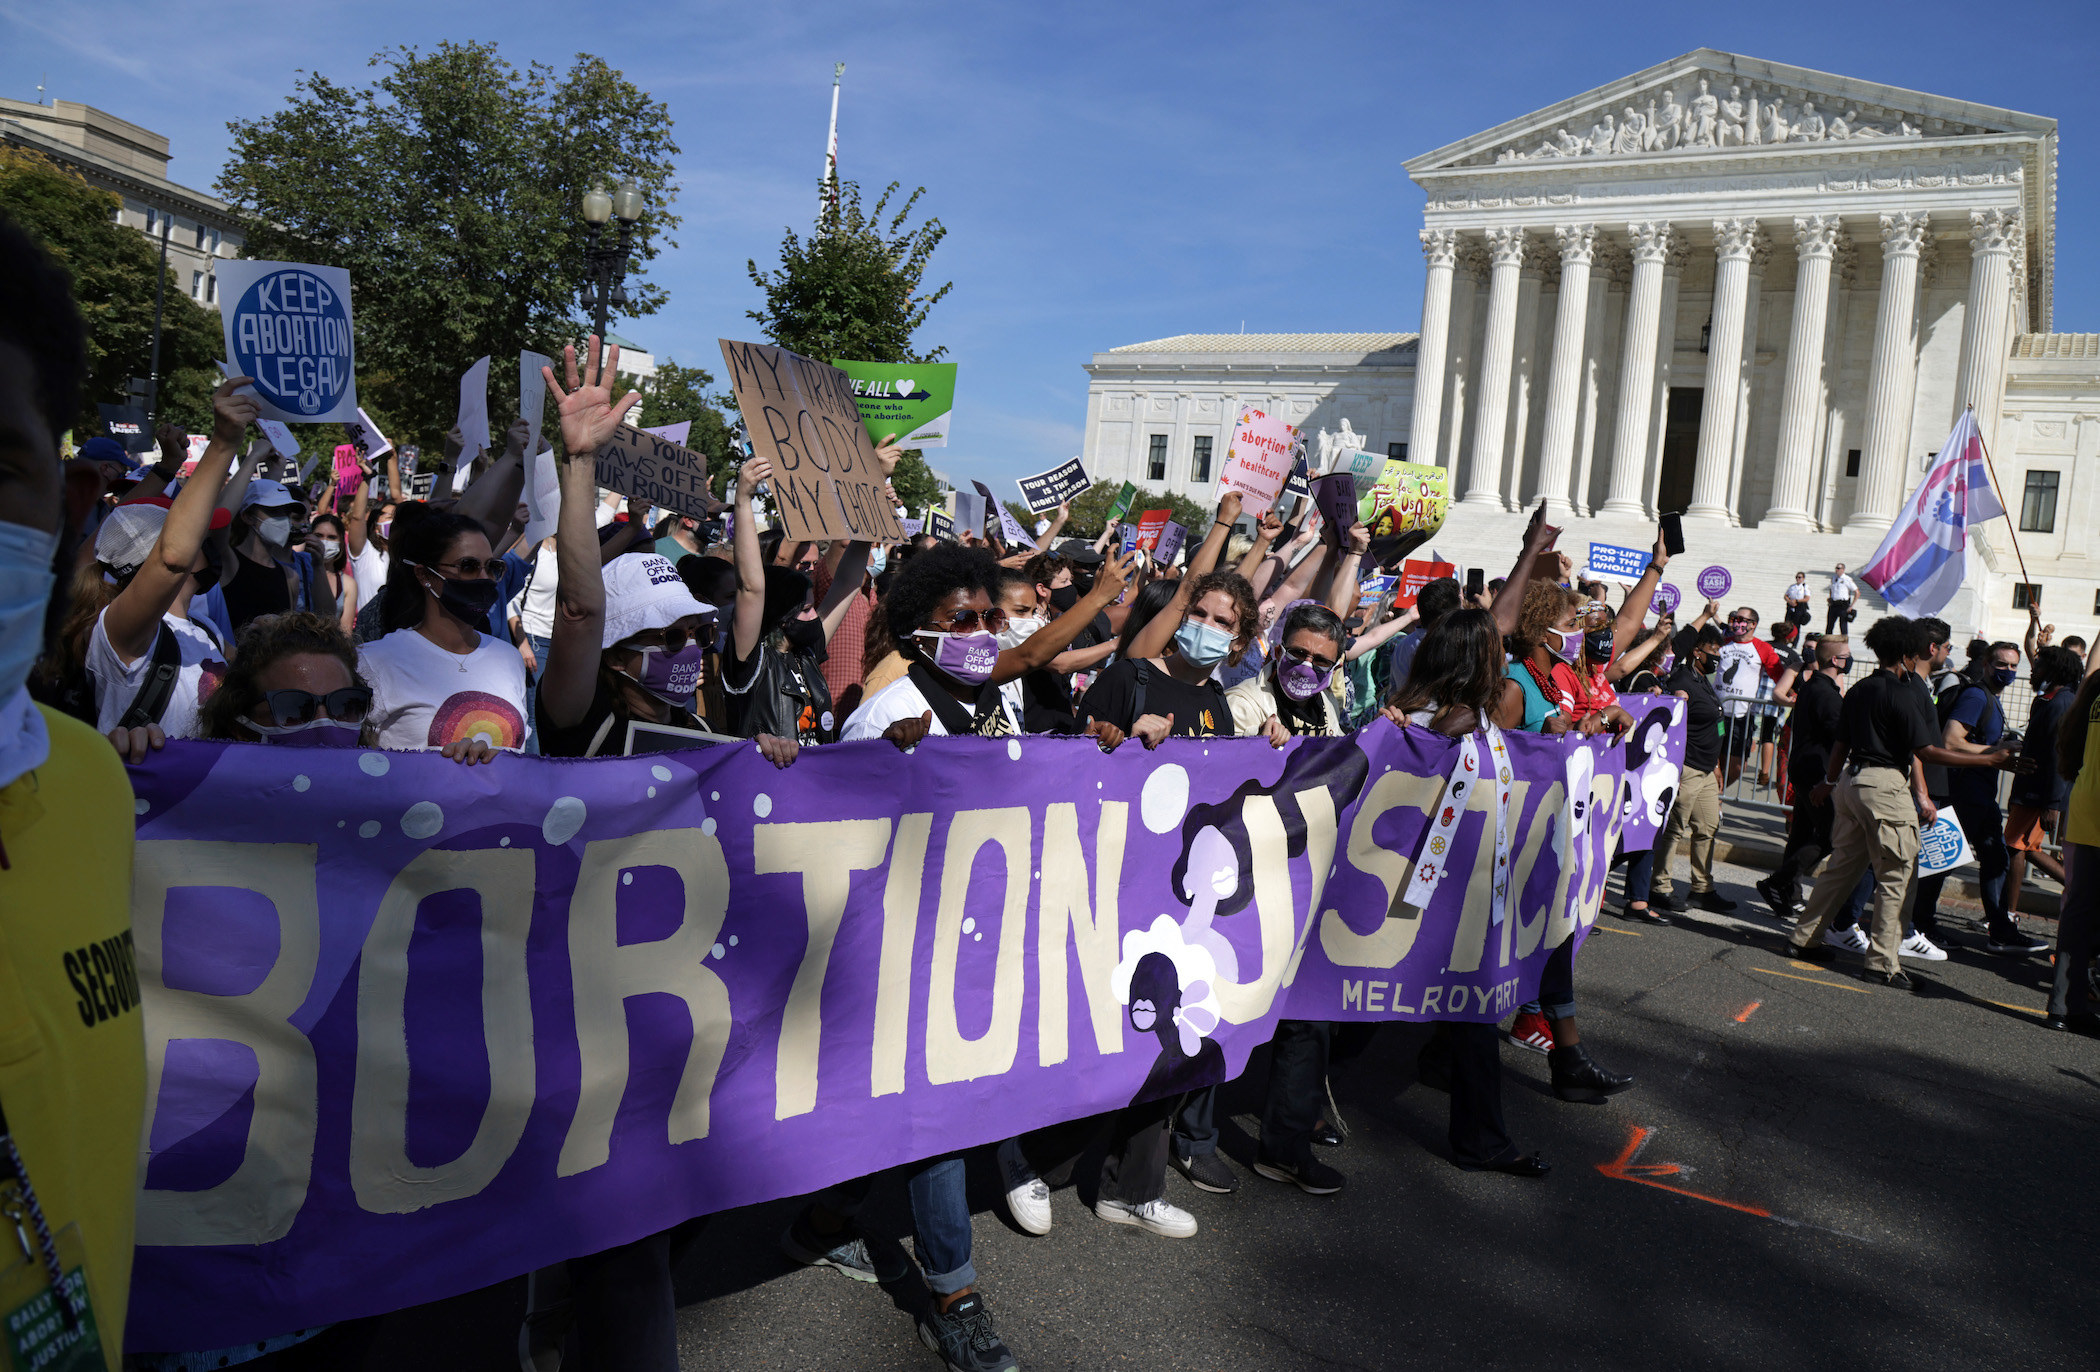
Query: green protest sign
{"x": 913, "y": 400}
{"x": 1121, "y": 506}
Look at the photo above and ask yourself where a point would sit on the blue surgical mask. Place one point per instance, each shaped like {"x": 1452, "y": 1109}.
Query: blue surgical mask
{"x": 1204, "y": 645}
{"x": 25, "y": 588}
{"x": 2005, "y": 676}
{"x": 878, "y": 558}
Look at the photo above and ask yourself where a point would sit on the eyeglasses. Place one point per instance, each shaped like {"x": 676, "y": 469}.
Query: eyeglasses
{"x": 1305, "y": 657}
{"x": 991, "y": 621}
{"x": 471, "y": 568}
{"x": 347, "y": 706}
{"x": 675, "y": 636}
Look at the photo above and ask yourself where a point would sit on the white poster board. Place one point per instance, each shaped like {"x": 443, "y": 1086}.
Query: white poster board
{"x": 473, "y": 423}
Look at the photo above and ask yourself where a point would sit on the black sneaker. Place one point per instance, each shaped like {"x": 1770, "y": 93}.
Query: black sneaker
{"x": 1208, "y": 1172}
{"x": 1672, "y": 902}
{"x": 1776, "y": 898}
{"x": 963, "y": 1336}
{"x": 848, "y": 1250}
{"x": 1313, "y": 1177}
{"x": 2011, "y": 941}
{"x": 1712, "y": 900}
{"x": 1820, "y": 952}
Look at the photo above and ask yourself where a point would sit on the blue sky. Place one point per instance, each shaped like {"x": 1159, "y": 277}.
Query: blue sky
{"x": 1108, "y": 172}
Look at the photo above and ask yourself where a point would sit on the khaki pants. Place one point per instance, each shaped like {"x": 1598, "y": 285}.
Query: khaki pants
{"x": 1875, "y": 822}
{"x": 1697, "y": 813}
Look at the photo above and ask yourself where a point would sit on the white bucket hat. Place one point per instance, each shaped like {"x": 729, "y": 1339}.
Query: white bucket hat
{"x": 642, "y": 592}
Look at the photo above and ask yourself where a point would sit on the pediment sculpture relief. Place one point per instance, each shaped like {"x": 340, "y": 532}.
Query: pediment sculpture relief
{"x": 1708, "y": 119}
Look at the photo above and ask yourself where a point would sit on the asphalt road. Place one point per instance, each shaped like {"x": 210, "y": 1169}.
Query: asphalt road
{"x": 1862, "y": 1178}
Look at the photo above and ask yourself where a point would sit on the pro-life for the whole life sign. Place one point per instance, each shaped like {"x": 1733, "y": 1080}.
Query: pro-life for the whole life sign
{"x": 288, "y": 325}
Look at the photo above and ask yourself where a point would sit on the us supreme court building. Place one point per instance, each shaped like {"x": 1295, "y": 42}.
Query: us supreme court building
{"x": 1753, "y": 293}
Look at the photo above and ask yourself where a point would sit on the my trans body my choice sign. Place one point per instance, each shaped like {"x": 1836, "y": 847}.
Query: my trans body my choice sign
{"x": 289, "y": 326}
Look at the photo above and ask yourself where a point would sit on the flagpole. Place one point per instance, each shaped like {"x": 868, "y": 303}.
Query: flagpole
{"x": 827, "y": 193}
{"x": 2009, "y": 523}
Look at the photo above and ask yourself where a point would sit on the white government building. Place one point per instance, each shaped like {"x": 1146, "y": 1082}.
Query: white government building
{"x": 1750, "y": 292}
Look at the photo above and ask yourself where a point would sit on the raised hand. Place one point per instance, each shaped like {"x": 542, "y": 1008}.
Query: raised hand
{"x": 1268, "y": 527}
{"x": 1229, "y": 507}
{"x": 232, "y": 413}
{"x": 887, "y": 454}
{"x": 1114, "y": 576}
{"x": 1359, "y": 540}
{"x": 515, "y": 437}
{"x": 1538, "y": 534}
{"x": 589, "y": 414}
{"x": 755, "y": 472}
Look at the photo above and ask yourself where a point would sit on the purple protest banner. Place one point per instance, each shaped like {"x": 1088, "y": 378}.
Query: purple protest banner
{"x": 1714, "y": 582}
{"x": 1171, "y": 537}
{"x": 1654, "y": 763}
{"x": 1666, "y": 598}
{"x": 414, "y": 1028}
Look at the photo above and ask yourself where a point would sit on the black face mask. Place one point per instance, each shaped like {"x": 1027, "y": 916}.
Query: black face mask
{"x": 468, "y": 601}
{"x": 1064, "y": 598}
{"x": 803, "y": 635}
{"x": 1596, "y": 645}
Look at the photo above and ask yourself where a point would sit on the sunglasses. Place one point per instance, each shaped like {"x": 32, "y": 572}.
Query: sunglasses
{"x": 991, "y": 621}
{"x": 1303, "y": 658}
{"x": 471, "y": 568}
{"x": 675, "y": 636}
{"x": 347, "y": 706}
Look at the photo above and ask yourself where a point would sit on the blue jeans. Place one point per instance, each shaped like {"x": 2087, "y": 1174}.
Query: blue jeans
{"x": 940, "y": 1218}
{"x": 540, "y": 648}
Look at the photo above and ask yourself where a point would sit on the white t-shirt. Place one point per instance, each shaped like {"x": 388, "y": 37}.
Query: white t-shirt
{"x": 902, "y": 699}
{"x": 426, "y": 697}
{"x": 1841, "y": 587}
{"x": 370, "y": 566}
{"x": 536, "y": 606}
{"x": 116, "y": 685}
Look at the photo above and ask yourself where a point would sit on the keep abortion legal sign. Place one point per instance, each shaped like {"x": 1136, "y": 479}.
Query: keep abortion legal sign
{"x": 288, "y": 325}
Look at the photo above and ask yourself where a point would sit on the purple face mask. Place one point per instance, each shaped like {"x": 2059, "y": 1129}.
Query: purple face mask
{"x": 969, "y": 658}
{"x": 1302, "y": 680}
{"x": 315, "y": 733}
{"x": 672, "y": 676}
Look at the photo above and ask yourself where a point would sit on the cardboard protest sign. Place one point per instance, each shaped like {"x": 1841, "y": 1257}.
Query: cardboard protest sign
{"x": 913, "y": 400}
{"x": 1149, "y": 525}
{"x": 1611, "y": 562}
{"x": 473, "y": 421}
{"x": 1415, "y": 575}
{"x": 1046, "y": 491}
{"x": 1120, "y": 506}
{"x": 532, "y": 394}
{"x": 1258, "y": 459}
{"x": 127, "y": 424}
{"x": 289, "y": 326}
{"x": 939, "y": 525}
{"x": 639, "y": 464}
{"x": 804, "y": 420}
{"x": 1169, "y": 544}
{"x": 1334, "y": 496}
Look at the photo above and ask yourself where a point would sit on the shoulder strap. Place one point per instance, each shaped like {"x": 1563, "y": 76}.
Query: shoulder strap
{"x": 598, "y": 739}
{"x": 154, "y": 692}
{"x": 1143, "y": 671}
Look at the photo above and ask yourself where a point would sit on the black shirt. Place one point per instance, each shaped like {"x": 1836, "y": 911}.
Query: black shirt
{"x": 1886, "y": 719}
{"x": 257, "y": 589}
{"x": 779, "y": 692}
{"x": 2035, "y": 780}
{"x": 577, "y": 738}
{"x": 1817, "y": 705}
{"x": 1199, "y": 711}
{"x": 1702, "y": 717}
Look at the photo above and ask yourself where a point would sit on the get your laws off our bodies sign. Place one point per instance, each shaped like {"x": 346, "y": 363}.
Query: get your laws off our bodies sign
{"x": 803, "y": 417}
{"x": 414, "y": 1028}
{"x": 289, "y": 327}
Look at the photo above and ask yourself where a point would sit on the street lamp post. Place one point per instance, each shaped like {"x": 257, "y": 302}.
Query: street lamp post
{"x": 605, "y": 264}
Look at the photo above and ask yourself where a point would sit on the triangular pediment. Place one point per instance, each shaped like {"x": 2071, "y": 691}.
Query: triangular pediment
{"x": 1747, "y": 104}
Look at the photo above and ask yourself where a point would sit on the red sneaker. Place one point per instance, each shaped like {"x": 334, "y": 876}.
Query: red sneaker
{"x": 1532, "y": 1030}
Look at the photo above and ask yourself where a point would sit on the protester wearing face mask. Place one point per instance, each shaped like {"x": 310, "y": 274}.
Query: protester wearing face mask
{"x": 292, "y": 683}
{"x": 325, "y": 544}
{"x": 267, "y": 571}
{"x": 941, "y": 615}
{"x": 72, "y": 1087}
{"x": 1818, "y": 701}
{"x": 1291, "y": 697}
{"x": 1696, "y": 816}
{"x": 1749, "y": 670}
{"x": 2036, "y": 803}
{"x": 439, "y": 678}
{"x": 135, "y": 661}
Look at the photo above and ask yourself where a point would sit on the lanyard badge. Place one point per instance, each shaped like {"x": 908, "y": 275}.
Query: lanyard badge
{"x": 46, "y": 1322}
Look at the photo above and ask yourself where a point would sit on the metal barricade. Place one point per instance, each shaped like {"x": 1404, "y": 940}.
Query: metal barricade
{"x": 1755, "y": 735}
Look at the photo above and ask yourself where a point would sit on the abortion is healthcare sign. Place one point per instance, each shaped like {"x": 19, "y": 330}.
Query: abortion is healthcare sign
{"x": 1258, "y": 459}
{"x": 288, "y": 325}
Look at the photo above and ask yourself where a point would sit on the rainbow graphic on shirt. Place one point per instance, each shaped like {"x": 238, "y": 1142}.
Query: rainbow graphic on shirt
{"x": 477, "y": 714}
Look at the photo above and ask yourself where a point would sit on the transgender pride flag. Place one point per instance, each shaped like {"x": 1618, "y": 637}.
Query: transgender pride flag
{"x": 1925, "y": 558}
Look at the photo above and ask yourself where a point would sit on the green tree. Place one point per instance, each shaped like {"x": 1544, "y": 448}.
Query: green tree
{"x": 449, "y": 188}
{"x": 916, "y": 484}
{"x": 852, "y": 288}
{"x": 113, "y": 269}
{"x": 1090, "y": 511}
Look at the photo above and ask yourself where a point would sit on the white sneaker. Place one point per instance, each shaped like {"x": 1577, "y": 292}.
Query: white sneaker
{"x": 1923, "y": 949}
{"x": 1853, "y": 940}
{"x": 1168, "y": 1221}
{"x": 1027, "y": 1195}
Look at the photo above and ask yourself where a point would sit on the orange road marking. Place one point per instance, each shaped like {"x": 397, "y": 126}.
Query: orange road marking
{"x": 1748, "y": 1010}
{"x": 2023, "y": 1009}
{"x": 1624, "y": 1168}
{"x": 1609, "y": 930}
{"x": 1839, "y": 985}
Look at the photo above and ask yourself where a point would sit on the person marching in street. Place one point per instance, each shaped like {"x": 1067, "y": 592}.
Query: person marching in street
{"x": 2078, "y": 926}
{"x": 1818, "y": 700}
{"x": 2035, "y": 808}
{"x": 1696, "y": 816}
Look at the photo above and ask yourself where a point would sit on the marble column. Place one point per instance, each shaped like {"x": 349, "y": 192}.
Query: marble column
{"x": 1801, "y": 397}
{"x": 1525, "y": 379}
{"x": 1650, "y": 245}
{"x": 1607, "y": 274}
{"x": 1665, "y": 370}
{"x": 1734, "y": 241}
{"x": 1577, "y": 243}
{"x": 1498, "y": 352}
{"x": 1440, "y": 251}
{"x": 1987, "y": 317}
{"x": 1458, "y": 363}
{"x": 1753, "y": 316}
{"x": 1884, "y": 458}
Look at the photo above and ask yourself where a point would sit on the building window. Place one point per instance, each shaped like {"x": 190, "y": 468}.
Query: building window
{"x": 1156, "y": 468}
{"x": 211, "y": 288}
{"x": 1398, "y": 450}
{"x": 1199, "y": 466}
{"x": 196, "y": 285}
{"x": 1852, "y": 462}
{"x": 214, "y": 242}
{"x": 2027, "y": 595}
{"x": 152, "y": 222}
{"x": 2038, "y": 504}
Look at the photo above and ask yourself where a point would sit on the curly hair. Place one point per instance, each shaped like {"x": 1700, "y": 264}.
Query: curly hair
{"x": 1242, "y": 595}
{"x": 1545, "y": 604}
{"x": 263, "y": 642}
{"x": 1893, "y": 638}
{"x": 421, "y": 537}
{"x": 930, "y": 578}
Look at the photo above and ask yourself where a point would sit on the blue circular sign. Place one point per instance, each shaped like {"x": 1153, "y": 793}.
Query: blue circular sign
{"x": 291, "y": 332}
